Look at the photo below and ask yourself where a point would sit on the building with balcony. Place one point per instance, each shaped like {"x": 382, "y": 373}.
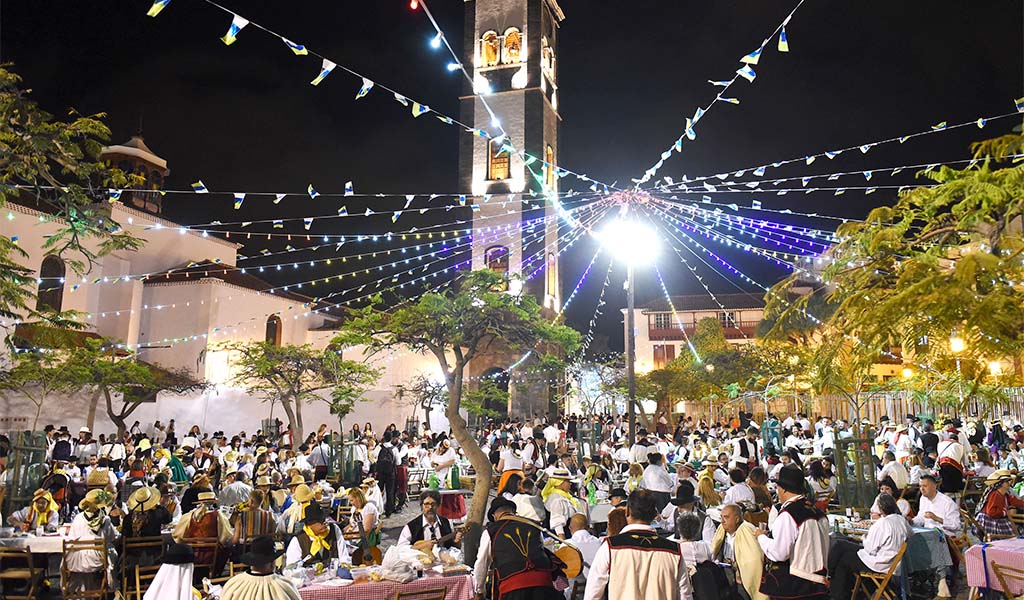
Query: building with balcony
{"x": 661, "y": 334}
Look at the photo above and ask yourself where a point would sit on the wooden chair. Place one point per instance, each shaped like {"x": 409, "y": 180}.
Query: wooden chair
{"x": 141, "y": 579}
{"x": 72, "y": 546}
{"x": 207, "y": 554}
{"x": 880, "y": 580}
{"x": 31, "y": 575}
{"x": 974, "y": 488}
{"x": 431, "y": 594}
{"x": 578, "y": 587}
{"x": 236, "y": 568}
{"x": 131, "y": 548}
{"x": 1007, "y": 574}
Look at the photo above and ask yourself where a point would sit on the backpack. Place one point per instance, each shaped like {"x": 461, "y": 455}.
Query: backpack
{"x": 710, "y": 582}
{"x": 386, "y": 462}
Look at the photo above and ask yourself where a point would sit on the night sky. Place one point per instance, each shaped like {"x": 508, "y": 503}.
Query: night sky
{"x": 244, "y": 117}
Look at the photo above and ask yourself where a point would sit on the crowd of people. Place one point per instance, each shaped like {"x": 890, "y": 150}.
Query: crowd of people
{"x": 678, "y": 500}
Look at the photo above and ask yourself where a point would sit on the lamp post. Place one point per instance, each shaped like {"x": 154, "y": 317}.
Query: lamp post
{"x": 633, "y": 243}
{"x": 956, "y": 346}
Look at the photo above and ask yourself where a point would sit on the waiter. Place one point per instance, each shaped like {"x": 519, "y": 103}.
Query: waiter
{"x": 513, "y": 547}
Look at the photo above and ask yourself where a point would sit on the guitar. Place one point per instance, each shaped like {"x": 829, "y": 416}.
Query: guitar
{"x": 427, "y": 546}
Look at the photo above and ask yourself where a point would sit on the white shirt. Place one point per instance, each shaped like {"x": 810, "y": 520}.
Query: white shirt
{"x": 551, "y": 434}
{"x": 740, "y": 492}
{"x": 405, "y": 538}
{"x": 941, "y": 506}
{"x": 511, "y": 462}
{"x": 784, "y": 530}
{"x": 883, "y": 542}
{"x": 587, "y": 543}
{"x": 638, "y": 454}
{"x": 597, "y": 581}
{"x": 897, "y": 471}
{"x": 656, "y": 479}
{"x": 293, "y": 555}
{"x": 692, "y": 553}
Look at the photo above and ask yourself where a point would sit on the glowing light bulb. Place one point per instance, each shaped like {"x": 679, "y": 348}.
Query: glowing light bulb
{"x": 454, "y": 66}
{"x": 414, "y": 4}
{"x": 436, "y": 42}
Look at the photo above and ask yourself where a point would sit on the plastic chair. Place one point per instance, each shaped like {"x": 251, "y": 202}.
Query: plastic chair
{"x": 31, "y": 575}
{"x": 880, "y": 580}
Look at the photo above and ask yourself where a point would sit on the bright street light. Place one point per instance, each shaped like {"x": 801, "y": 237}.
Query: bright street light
{"x": 633, "y": 243}
{"x": 956, "y": 344}
{"x": 630, "y": 241}
{"x": 995, "y": 368}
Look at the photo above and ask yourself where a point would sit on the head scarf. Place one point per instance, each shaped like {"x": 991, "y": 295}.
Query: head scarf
{"x": 38, "y": 518}
{"x": 551, "y": 489}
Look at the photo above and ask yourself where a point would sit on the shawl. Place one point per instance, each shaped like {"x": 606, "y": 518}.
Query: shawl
{"x": 749, "y": 557}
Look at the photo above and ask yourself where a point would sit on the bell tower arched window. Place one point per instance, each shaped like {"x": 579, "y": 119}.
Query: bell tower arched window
{"x": 490, "y": 49}
{"x": 513, "y": 46}
{"x": 496, "y": 259}
{"x": 51, "y": 284}
{"x": 549, "y": 168}
{"x": 497, "y": 161}
{"x": 273, "y": 335}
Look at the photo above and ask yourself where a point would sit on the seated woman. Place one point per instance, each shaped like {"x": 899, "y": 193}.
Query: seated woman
{"x": 691, "y": 548}
{"x": 511, "y": 487}
{"x": 41, "y": 512}
{"x": 983, "y": 465}
{"x": 367, "y": 514}
{"x": 888, "y": 487}
{"x": 846, "y": 558}
{"x": 993, "y": 518}
{"x": 821, "y": 480}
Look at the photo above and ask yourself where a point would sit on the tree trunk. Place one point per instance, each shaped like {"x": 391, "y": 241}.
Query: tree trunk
{"x": 481, "y": 464}
{"x": 90, "y": 419}
{"x": 115, "y": 418}
{"x": 298, "y": 417}
{"x": 297, "y": 438}
{"x": 426, "y": 413}
{"x": 39, "y": 411}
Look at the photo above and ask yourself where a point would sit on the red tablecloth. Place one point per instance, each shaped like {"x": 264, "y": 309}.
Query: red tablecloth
{"x": 459, "y": 588}
{"x": 980, "y": 557}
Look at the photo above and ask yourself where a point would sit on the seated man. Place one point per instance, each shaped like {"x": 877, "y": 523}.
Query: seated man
{"x": 260, "y": 581}
{"x": 319, "y": 540}
{"x": 41, "y": 512}
{"x": 883, "y": 541}
{"x": 424, "y": 531}
{"x": 735, "y": 542}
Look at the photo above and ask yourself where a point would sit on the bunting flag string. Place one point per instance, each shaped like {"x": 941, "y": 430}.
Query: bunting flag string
{"x": 588, "y": 337}
{"x": 734, "y": 222}
{"x": 459, "y": 268}
{"x": 325, "y": 70}
{"x": 746, "y": 71}
{"x": 237, "y": 24}
{"x": 808, "y": 159}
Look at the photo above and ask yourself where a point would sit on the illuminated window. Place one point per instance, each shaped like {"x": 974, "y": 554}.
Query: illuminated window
{"x": 497, "y": 161}
{"x": 496, "y": 259}
{"x": 513, "y": 46}
{"x": 549, "y": 158}
{"x": 663, "y": 320}
{"x": 663, "y": 354}
{"x": 489, "y": 49}
{"x": 547, "y": 59}
{"x": 552, "y": 275}
{"x": 273, "y": 330}
{"x": 51, "y": 286}
{"x": 727, "y": 319}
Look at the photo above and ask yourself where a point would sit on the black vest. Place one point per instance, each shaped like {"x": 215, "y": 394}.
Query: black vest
{"x": 325, "y": 555}
{"x": 444, "y": 526}
{"x": 643, "y": 540}
{"x": 776, "y": 582}
{"x": 516, "y": 547}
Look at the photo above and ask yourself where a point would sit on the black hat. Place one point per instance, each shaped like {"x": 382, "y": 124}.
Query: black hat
{"x": 262, "y": 550}
{"x": 62, "y": 451}
{"x": 314, "y": 514}
{"x": 498, "y": 504}
{"x": 684, "y": 494}
{"x": 883, "y": 419}
{"x": 791, "y": 479}
{"x": 179, "y": 554}
{"x": 618, "y": 493}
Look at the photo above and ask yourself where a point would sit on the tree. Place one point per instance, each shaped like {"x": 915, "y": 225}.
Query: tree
{"x": 37, "y": 375}
{"x": 457, "y": 327}
{"x": 944, "y": 260}
{"x": 349, "y": 381}
{"x": 288, "y": 375}
{"x": 54, "y": 164}
{"x": 426, "y": 394}
{"x": 104, "y": 369}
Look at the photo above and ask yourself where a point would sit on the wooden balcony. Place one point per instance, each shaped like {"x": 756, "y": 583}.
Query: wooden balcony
{"x": 735, "y": 331}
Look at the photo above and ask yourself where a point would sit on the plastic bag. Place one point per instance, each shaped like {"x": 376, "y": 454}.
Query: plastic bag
{"x": 397, "y": 566}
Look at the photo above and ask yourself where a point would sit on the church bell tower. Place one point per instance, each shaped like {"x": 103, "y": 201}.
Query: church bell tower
{"x": 510, "y": 48}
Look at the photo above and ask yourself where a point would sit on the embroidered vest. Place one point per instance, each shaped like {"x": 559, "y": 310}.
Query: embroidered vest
{"x": 643, "y": 565}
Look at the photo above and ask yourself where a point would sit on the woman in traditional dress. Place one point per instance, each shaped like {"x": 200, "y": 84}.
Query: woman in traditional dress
{"x": 993, "y": 517}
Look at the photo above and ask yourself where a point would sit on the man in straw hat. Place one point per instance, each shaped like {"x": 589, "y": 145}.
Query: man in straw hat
{"x": 41, "y": 512}
{"x": 796, "y": 551}
{"x": 146, "y": 516}
{"x": 200, "y": 484}
{"x": 260, "y": 582}
{"x": 290, "y": 522}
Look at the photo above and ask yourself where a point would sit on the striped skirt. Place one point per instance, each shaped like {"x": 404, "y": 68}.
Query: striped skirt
{"x": 995, "y": 527}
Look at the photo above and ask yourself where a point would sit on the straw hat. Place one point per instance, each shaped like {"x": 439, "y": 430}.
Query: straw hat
{"x": 998, "y": 476}
{"x": 144, "y": 444}
{"x": 303, "y": 493}
{"x": 84, "y": 430}
{"x": 144, "y": 498}
{"x": 98, "y": 478}
{"x": 40, "y": 494}
{"x": 207, "y": 497}
{"x": 180, "y": 452}
{"x": 262, "y": 480}
{"x": 95, "y": 500}
{"x": 296, "y": 480}
{"x": 230, "y": 456}
{"x": 201, "y": 480}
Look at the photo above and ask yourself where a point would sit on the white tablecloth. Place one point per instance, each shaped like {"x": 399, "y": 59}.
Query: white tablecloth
{"x": 48, "y": 544}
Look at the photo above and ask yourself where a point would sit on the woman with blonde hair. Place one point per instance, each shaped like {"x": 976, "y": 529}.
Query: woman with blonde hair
{"x": 706, "y": 490}
{"x": 368, "y": 515}
{"x": 636, "y": 474}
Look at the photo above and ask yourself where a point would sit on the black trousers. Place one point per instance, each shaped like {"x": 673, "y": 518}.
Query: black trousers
{"x": 661, "y": 499}
{"x": 843, "y": 566}
{"x": 388, "y": 484}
